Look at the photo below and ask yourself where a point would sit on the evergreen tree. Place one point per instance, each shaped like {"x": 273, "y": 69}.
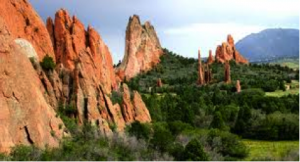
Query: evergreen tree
{"x": 194, "y": 151}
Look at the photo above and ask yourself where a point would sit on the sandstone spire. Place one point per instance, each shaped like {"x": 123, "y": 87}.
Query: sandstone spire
{"x": 227, "y": 72}
{"x": 210, "y": 59}
{"x": 227, "y": 52}
{"x": 201, "y": 80}
{"x": 142, "y": 49}
{"x": 208, "y": 74}
{"x": 238, "y": 86}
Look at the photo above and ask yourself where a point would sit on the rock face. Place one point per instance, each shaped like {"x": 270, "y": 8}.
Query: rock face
{"x": 204, "y": 72}
{"x": 210, "y": 59}
{"x": 227, "y": 72}
{"x": 87, "y": 73}
{"x": 26, "y": 117}
{"x": 24, "y": 22}
{"x": 238, "y": 86}
{"x": 227, "y": 52}
{"x": 83, "y": 78}
{"x": 142, "y": 49}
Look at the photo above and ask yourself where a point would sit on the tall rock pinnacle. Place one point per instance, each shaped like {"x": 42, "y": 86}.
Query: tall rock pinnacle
{"x": 204, "y": 72}
{"x": 227, "y": 72}
{"x": 210, "y": 59}
{"x": 201, "y": 80}
{"x": 142, "y": 49}
{"x": 238, "y": 86}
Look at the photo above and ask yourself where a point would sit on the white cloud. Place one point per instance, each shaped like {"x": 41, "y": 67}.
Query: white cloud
{"x": 213, "y": 29}
{"x": 187, "y": 39}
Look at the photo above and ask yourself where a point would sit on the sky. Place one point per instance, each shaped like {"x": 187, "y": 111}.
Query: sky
{"x": 183, "y": 26}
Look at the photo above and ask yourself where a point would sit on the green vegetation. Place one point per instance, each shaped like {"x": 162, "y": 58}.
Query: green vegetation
{"x": 191, "y": 122}
{"x": 292, "y": 63}
{"x": 272, "y": 151}
{"x": 293, "y": 89}
{"x": 48, "y": 63}
{"x": 194, "y": 110}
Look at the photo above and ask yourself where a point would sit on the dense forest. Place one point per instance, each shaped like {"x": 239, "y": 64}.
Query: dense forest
{"x": 189, "y": 122}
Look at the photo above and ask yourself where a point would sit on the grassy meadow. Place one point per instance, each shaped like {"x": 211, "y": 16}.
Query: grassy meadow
{"x": 272, "y": 150}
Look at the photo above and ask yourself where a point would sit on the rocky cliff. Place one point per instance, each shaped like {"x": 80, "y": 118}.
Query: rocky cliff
{"x": 24, "y": 22}
{"x": 83, "y": 79}
{"x": 142, "y": 49}
{"x": 26, "y": 117}
{"x": 227, "y": 52}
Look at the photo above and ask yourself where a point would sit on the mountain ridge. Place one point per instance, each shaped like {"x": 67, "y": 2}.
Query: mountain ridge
{"x": 270, "y": 44}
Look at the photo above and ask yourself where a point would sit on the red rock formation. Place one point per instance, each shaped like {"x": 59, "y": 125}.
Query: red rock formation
{"x": 73, "y": 44}
{"x": 227, "y": 72}
{"x": 159, "y": 83}
{"x": 142, "y": 49}
{"x": 207, "y": 74}
{"x": 86, "y": 65}
{"x": 201, "y": 80}
{"x": 84, "y": 77}
{"x": 24, "y": 22}
{"x": 238, "y": 86}
{"x": 135, "y": 110}
{"x": 210, "y": 59}
{"x": 227, "y": 52}
{"x": 26, "y": 117}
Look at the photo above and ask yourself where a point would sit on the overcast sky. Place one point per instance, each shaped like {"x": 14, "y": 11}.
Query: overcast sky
{"x": 183, "y": 26}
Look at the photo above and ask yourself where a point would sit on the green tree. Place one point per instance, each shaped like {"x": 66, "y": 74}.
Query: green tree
{"x": 141, "y": 131}
{"x": 218, "y": 122}
{"x": 162, "y": 137}
{"x": 194, "y": 151}
{"x": 47, "y": 63}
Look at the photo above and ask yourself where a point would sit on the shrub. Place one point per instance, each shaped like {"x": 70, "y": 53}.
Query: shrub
{"x": 194, "y": 151}
{"x": 140, "y": 131}
{"x": 48, "y": 63}
{"x": 230, "y": 144}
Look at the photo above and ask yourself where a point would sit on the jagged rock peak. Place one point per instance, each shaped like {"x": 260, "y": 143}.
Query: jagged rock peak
{"x": 227, "y": 52}
{"x": 142, "y": 49}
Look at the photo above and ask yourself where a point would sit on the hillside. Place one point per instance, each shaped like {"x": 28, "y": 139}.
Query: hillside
{"x": 191, "y": 111}
{"x": 270, "y": 44}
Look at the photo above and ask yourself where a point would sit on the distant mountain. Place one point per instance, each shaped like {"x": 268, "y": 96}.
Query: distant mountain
{"x": 270, "y": 44}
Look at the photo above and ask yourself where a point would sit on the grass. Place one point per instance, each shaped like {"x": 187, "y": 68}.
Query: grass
{"x": 294, "y": 89}
{"x": 289, "y": 62}
{"x": 269, "y": 150}
{"x": 280, "y": 93}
